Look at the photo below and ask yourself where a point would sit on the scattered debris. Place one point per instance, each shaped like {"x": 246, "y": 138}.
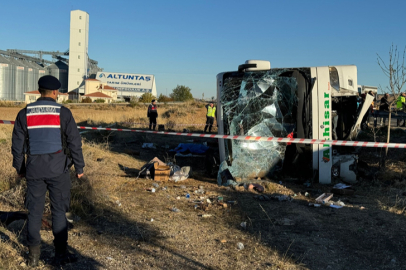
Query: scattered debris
{"x": 199, "y": 191}
{"x": 208, "y": 201}
{"x": 335, "y": 206}
{"x": 148, "y": 146}
{"x": 342, "y": 189}
{"x": 178, "y": 198}
{"x": 182, "y": 186}
{"x": 155, "y": 185}
{"x": 240, "y": 246}
{"x": 223, "y": 241}
{"x": 152, "y": 219}
{"x": 181, "y": 174}
{"x": 176, "y": 210}
{"x": 205, "y": 215}
{"x": 324, "y": 198}
{"x": 244, "y": 225}
{"x": 307, "y": 194}
{"x": 188, "y": 196}
{"x": 118, "y": 203}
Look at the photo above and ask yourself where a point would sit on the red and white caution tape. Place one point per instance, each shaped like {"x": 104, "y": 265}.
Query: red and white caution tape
{"x": 250, "y": 138}
{"x": 165, "y": 124}
{"x": 6, "y": 122}
{"x": 262, "y": 139}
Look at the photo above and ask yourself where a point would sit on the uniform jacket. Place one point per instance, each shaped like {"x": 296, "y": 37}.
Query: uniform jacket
{"x": 211, "y": 112}
{"x": 384, "y": 106}
{"x": 400, "y": 101}
{"x": 152, "y": 111}
{"x": 46, "y": 165}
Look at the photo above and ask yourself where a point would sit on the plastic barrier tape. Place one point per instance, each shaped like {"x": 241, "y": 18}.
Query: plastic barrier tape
{"x": 250, "y": 138}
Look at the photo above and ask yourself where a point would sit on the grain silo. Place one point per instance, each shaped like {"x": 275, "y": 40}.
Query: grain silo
{"x": 20, "y": 80}
{"x": 60, "y": 71}
{"x": 5, "y": 77}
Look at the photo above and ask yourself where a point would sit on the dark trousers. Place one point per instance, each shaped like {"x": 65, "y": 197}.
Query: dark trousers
{"x": 209, "y": 123}
{"x": 59, "y": 194}
{"x": 152, "y": 123}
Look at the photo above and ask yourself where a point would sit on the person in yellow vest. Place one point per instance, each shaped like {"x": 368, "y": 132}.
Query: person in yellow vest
{"x": 400, "y": 106}
{"x": 211, "y": 113}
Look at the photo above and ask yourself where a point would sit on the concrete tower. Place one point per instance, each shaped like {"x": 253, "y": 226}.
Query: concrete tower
{"x": 78, "y": 50}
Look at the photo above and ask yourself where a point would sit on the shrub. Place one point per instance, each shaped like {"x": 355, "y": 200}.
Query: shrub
{"x": 181, "y": 93}
{"x": 133, "y": 102}
{"x": 163, "y": 98}
{"x": 87, "y": 100}
{"x": 146, "y": 98}
{"x": 67, "y": 101}
{"x": 99, "y": 100}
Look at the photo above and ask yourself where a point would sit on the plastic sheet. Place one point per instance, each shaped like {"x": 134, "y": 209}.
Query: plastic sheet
{"x": 257, "y": 104}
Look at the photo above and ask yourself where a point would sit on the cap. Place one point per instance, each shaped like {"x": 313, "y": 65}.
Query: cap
{"x": 49, "y": 82}
{"x": 153, "y": 100}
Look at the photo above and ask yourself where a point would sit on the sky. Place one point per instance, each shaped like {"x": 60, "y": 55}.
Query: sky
{"x": 188, "y": 42}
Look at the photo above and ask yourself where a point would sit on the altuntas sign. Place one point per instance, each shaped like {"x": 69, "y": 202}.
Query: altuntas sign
{"x": 129, "y": 84}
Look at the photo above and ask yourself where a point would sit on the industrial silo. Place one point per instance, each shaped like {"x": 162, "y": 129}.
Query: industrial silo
{"x": 41, "y": 72}
{"x": 33, "y": 76}
{"x": 20, "y": 79}
{"x": 60, "y": 71}
{"x": 5, "y": 77}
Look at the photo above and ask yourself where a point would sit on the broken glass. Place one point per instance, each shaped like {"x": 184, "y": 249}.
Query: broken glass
{"x": 260, "y": 103}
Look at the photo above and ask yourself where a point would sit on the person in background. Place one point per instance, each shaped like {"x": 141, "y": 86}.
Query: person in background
{"x": 152, "y": 114}
{"x": 47, "y": 133}
{"x": 211, "y": 113}
{"x": 400, "y": 106}
{"x": 384, "y": 107}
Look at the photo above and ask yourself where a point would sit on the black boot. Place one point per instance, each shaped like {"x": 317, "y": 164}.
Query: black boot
{"x": 205, "y": 128}
{"x": 33, "y": 256}
{"x": 64, "y": 256}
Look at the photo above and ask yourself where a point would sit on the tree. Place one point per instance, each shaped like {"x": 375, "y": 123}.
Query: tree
{"x": 146, "y": 98}
{"x": 181, "y": 93}
{"x": 163, "y": 98}
{"x": 395, "y": 70}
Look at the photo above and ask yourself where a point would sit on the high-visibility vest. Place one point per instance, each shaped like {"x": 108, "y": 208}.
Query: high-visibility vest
{"x": 211, "y": 112}
{"x": 44, "y": 127}
{"x": 400, "y": 101}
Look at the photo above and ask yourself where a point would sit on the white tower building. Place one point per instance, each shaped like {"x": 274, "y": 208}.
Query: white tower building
{"x": 78, "y": 50}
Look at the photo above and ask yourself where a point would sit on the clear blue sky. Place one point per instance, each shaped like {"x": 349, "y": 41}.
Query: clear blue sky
{"x": 188, "y": 42}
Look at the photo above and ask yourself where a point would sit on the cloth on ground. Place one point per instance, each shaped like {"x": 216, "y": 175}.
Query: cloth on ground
{"x": 185, "y": 148}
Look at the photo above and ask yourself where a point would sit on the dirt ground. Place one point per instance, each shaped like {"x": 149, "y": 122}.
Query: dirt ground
{"x": 122, "y": 225}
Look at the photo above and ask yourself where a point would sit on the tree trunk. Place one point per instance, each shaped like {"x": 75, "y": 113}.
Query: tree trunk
{"x": 388, "y": 138}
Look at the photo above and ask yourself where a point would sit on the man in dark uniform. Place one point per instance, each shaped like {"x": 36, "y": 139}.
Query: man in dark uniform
{"x": 46, "y": 132}
{"x": 211, "y": 113}
{"x": 384, "y": 107}
{"x": 152, "y": 114}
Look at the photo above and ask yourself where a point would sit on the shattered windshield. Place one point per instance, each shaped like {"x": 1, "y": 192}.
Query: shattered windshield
{"x": 260, "y": 103}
